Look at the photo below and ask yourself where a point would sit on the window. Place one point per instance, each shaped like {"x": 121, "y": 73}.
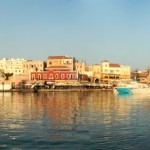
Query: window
{"x": 50, "y": 76}
{"x": 56, "y": 76}
{"x": 71, "y": 76}
{"x": 62, "y": 76}
{"x": 68, "y": 76}
{"x": 45, "y": 76}
{"x": 39, "y": 76}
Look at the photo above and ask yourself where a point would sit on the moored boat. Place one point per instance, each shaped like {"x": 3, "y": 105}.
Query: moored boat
{"x": 122, "y": 90}
{"x": 133, "y": 87}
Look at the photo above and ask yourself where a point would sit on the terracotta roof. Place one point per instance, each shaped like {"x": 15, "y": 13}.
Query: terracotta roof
{"x": 114, "y": 65}
{"x": 59, "y": 57}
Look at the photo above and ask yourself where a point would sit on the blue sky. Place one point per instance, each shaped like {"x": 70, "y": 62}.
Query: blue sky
{"x": 90, "y": 30}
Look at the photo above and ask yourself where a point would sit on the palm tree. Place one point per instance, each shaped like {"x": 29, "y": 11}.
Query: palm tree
{"x": 5, "y": 75}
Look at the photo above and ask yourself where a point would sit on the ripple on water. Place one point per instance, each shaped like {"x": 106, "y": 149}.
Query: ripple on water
{"x": 80, "y": 120}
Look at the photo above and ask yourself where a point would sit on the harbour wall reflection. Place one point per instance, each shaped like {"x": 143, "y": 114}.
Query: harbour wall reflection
{"x": 91, "y": 120}
{"x": 64, "y": 107}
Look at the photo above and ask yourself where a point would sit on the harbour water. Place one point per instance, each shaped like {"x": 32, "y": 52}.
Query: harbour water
{"x": 74, "y": 120}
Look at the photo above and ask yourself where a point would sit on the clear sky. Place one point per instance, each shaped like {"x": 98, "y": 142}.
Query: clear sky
{"x": 90, "y": 30}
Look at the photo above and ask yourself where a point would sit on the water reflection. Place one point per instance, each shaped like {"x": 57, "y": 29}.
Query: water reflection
{"x": 64, "y": 107}
{"x": 62, "y": 117}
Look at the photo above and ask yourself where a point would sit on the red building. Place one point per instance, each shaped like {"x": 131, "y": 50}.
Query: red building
{"x": 51, "y": 75}
{"x": 59, "y": 68}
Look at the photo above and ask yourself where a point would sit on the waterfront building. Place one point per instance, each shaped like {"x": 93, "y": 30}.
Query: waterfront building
{"x": 111, "y": 72}
{"x": 142, "y": 76}
{"x": 125, "y": 72}
{"x": 61, "y": 62}
{"x": 60, "y": 69}
{"x": 80, "y": 66}
{"x": 54, "y": 76}
{"x": 32, "y": 66}
{"x": 107, "y": 72}
{"x": 12, "y": 65}
{"x": 94, "y": 72}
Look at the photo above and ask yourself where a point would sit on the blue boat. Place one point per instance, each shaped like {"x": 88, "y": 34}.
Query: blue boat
{"x": 122, "y": 90}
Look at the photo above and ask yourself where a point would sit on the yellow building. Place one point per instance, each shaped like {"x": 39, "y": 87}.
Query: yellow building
{"x": 61, "y": 61}
{"x": 107, "y": 72}
{"x": 94, "y": 72}
{"x": 114, "y": 72}
{"x": 32, "y": 65}
{"x": 80, "y": 66}
{"x": 12, "y": 65}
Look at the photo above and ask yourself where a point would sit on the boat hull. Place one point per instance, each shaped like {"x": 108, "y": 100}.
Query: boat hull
{"x": 123, "y": 90}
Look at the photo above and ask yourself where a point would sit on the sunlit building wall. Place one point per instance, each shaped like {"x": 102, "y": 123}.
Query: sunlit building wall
{"x": 114, "y": 72}
{"x": 12, "y": 65}
{"x": 32, "y": 65}
{"x": 61, "y": 61}
{"x": 80, "y": 66}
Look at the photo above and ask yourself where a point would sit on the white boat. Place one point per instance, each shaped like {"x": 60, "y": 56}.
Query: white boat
{"x": 125, "y": 88}
{"x": 122, "y": 90}
{"x": 132, "y": 87}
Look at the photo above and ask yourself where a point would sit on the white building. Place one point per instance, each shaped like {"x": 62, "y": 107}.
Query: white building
{"x": 12, "y": 65}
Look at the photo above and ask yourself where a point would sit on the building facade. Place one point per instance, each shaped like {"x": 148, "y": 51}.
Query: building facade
{"x": 94, "y": 72}
{"x": 114, "y": 72}
{"x": 54, "y": 76}
{"x": 12, "y": 65}
{"x": 31, "y": 65}
{"x": 80, "y": 66}
{"x": 61, "y": 61}
{"x": 141, "y": 76}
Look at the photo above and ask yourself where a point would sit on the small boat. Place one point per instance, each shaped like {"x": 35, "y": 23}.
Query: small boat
{"x": 123, "y": 90}
{"x": 133, "y": 87}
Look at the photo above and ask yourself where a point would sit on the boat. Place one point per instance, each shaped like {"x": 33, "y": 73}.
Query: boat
{"x": 126, "y": 88}
{"x": 132, "y": 88}
{"x": 123, "y": 90}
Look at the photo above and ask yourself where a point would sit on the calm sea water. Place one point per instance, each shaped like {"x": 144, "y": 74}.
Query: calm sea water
{"x": 74, "y": 120}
